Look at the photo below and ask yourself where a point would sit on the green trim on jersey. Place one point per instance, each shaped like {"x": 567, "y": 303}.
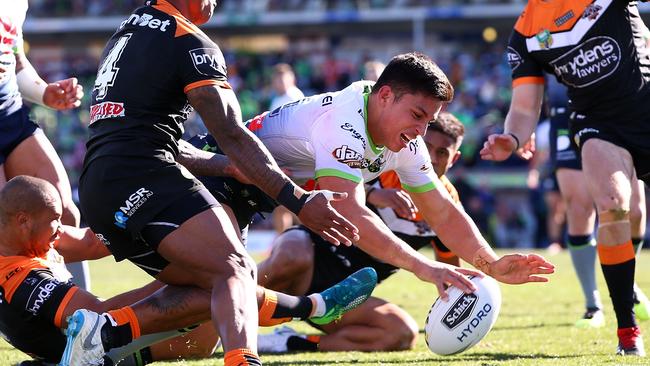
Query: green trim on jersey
{"x": 376, "y": 149}
{"x": 419, "y": 189}
{"x": 337, "y": 173}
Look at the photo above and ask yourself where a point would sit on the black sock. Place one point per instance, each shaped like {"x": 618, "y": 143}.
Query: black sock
{"x": 115, "y": 335}
{"x": 297, "y": 343}
{"x": 293, "y": 306}
{"x": 620, "y": 282}
{"x": 638, "y": 244}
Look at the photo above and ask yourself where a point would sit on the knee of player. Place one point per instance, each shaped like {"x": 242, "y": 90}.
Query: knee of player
{"x": 240, "y": 264}
{"x": 294, "y": 248}
{"x": 71, "y": 214}
{"x": 614, "y": 215}
{"x": 401, "y": 330}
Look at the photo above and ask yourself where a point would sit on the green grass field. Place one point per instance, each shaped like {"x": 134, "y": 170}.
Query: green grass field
{"x": 535, "y": 326}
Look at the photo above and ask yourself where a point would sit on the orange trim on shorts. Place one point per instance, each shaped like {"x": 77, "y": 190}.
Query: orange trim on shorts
{"x": 441, "y": 254}
{"x": 58, "y": 316}
{"x": 528, "y": 80}
{"x": 616, "y": 254}
{"x": 196, "y": 84}
{"x": 127, "y": 315}
{"x": 240, "y": 357}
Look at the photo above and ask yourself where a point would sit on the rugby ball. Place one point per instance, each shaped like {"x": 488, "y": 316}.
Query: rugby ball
{"x": 464, "y": 319}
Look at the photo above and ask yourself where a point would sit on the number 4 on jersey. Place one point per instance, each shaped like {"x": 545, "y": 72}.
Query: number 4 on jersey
{"x": 108, "y": 71}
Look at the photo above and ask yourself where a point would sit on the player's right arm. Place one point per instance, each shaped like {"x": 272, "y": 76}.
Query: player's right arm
{"x": 526, "y": 103}
{"x": 379, "y": 241}
{"x": 520, "y": 123}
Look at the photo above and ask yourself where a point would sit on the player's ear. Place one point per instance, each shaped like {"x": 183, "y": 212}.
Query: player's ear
{"x": 22, "y": 219}
{"x": 386, "y": 94}
{"x": 455, "y": 158}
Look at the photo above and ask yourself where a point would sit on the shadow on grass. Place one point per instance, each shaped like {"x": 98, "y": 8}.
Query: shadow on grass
{"x": 476, "y": 357}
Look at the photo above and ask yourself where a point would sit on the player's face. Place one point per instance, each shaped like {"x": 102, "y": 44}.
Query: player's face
{"x": 200, "y": 11}
{"x": 443, "y": 151}
{"x": 405, "y": 118}
{"x": 46, "y": 229}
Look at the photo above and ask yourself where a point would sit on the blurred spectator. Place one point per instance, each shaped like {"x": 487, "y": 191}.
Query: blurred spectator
{"x": 372, "y": 70}
{"x": 512, "y": 227}
{"x": 284, "y": 84}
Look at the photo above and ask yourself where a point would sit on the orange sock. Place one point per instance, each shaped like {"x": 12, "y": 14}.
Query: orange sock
{"x": 611, "y": 255}
{"x": 241, "y": 357}
{"x": 127, "y": 315}
{"x": 267, "y": 309}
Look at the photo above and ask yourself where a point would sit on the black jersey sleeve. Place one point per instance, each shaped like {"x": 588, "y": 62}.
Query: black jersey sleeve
{"x": 524, "y": 68}
{"x": 42, "y": 296}
{"x": 200, "y": 61}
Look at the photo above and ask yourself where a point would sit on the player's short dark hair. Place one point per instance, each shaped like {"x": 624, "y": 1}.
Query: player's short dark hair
{"x": 415, "y": 73}
{"x": 448, "y": 125}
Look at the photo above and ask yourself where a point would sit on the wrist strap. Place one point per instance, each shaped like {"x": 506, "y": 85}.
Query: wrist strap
{"x": 288, "y": 197}
{"x": 516, "y": 139}
{"x": 31, "y": 86}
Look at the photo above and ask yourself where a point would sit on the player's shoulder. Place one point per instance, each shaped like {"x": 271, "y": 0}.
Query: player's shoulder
{"x": 550, "y": 17}
{"x": 15, "y": 268}
{"x": 351, "y": 100}
{"x": 450, "y": 188}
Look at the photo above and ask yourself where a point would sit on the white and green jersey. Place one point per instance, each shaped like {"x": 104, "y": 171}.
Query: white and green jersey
{"x": 326, "y": 136}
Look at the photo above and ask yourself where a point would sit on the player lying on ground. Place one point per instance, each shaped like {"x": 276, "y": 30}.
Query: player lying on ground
{"x": 37, "y": 296}
{"x": 377, "y": 325}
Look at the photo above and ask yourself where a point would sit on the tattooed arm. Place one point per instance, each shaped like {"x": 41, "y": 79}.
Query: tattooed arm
{"x": 219, "y": 109}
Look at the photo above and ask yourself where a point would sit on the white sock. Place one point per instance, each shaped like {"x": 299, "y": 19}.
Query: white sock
{"x": 320, "y": 308}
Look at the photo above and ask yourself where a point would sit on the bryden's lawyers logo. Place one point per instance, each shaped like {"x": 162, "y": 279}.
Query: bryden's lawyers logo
{"x": 40, "y": 295}
{"x": 460, "y": 311}
{"x": 588, "y": 63}
{"x": 208, "y": 61}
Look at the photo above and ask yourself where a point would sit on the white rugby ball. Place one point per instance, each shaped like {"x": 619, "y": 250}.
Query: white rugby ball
{"x": 464, "y": 319}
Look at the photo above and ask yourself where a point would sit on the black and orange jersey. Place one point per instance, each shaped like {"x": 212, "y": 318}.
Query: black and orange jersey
{"x": 33, "y": 294}
{"x": 413, "y": 227}
{"x": 594, "y": 47}
{"x": 139, "y": 101}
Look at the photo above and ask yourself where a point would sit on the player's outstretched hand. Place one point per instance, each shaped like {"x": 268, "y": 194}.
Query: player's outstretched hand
{"x": 498, "y": 147}
{"x": 443, "y": 275}
{"x": 63, "y": 94}
{"x": 396, "y": 199}
{"x": 520, "y": 268}
{"x": 318, "y": 215}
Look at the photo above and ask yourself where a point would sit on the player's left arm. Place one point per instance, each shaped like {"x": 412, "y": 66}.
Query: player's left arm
{"x": 459, "y": 233}
{"x": 206, "y": 163}
{"x": 78, "y": 244}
